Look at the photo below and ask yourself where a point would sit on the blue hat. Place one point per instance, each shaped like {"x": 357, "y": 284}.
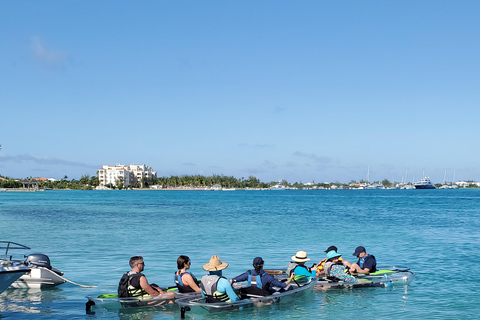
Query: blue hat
{"x": 258, "y": 261}
{"x": 333, "y": 254}
{"x": 359, "y": 250}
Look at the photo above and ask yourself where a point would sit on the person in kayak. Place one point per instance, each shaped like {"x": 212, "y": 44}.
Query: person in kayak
{"x": 298, "y": 267}
{"x": 185, "y": 281}
{"x": 261, "y": 283}
{"x": 335, "y": 270}
{"x": 215, "y": 287}
{"x": 135, "y": 284}
{"x": 320, "y": 266}
{"x": 366, "y": 262}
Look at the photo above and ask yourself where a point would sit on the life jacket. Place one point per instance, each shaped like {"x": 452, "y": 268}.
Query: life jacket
{"x": 322, "y": 263}
{"x": 292, "y": 265}
{"x": 209, "y": 289}
{"x": 129, "y": 286}
{"x": 181, "y": 287}
{"x": 255, "y": 286}
{"x": 361, "y": 263}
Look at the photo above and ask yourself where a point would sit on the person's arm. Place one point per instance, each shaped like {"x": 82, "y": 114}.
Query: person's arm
{"x": 223, "y": 285}
{"x": 277, "y": 283}
{"x": 240, "y": 278}
{"x": 148, "y": 289}
{"x": 188, "y": 279}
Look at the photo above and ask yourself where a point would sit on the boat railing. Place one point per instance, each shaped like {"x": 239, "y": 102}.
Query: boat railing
{"x": 7, "y": 245}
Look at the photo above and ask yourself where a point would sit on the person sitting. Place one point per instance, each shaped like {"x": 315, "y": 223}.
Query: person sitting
{"x": 260, "y": 283}
{"x": 366, "y": 262}
{"x": 335, "y": 270}
{"x": 185, "y": 281}
{"x": 215, "y": 287}
{"x": 320, "y": 266}
{"x": 298, "y": 267}
{"x": 135, "y": 284}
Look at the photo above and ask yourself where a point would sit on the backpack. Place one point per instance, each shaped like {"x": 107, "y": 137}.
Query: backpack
{"x": 123, "y": 286}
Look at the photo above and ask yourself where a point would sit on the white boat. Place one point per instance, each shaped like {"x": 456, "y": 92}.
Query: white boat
{"x": 425, "y": 183}
{"x": 11, "y": 270}
{"x": 40, "y": 273}
{"x": 278, "y": 186}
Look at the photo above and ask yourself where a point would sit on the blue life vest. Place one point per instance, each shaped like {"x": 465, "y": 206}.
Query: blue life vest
{"x": 181, "y": 287}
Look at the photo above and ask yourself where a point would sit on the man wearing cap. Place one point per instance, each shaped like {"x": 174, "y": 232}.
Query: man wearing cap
{"x": 215, "y": 287}
{"x": 260, "y": 283}
{"x": 298, "y": 267}
{"x": 320, "y": 266}
{"x": 366, "y": 262}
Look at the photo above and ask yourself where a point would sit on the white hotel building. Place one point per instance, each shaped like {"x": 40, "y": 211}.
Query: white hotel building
{"x": 128, "y": 174}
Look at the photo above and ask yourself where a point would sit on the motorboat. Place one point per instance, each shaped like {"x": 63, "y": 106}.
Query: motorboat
{"x": 425, "y": 183}
{"x": 11, "y": 270}
{"x": 278, "y": 186}
{"x": 40, "y": 273}
{"x": 198, "y": 305}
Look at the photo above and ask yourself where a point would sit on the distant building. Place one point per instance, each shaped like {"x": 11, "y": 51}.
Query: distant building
{"x": 128, "y": 175}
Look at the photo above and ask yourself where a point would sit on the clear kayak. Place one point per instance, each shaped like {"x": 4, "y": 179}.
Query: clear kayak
{"x": 383, "y": 277}
{"x": 198, "y": 305}
{"x": 113, "y": 302}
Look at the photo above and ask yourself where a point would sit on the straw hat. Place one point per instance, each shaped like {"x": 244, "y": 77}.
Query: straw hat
{"x": 215, "y": 264}
{"x": 300, "y": 256}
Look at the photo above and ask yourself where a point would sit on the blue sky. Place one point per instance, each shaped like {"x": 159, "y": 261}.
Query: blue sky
{"x": 296, "y": 90}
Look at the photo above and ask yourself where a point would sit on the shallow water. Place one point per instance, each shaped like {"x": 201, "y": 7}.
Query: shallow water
{"x": 90, "y": 235}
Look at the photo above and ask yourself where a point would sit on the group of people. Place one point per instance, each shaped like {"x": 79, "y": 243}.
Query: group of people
{"x": 216, "y": 288}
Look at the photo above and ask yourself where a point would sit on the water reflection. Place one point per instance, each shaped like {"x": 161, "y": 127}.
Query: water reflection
{"x": 29, "y": 300}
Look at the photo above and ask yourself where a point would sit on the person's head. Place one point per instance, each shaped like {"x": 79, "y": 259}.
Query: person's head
{"x": 360, "y": 252}
{"x": 300, "y": 257}
{"x": 331, "y": 248}
{"x": 215, "y": 266}
{"x": 137, "y": 261}
{"x": 258, "y": 263}
{"x": 333, "y": 256}
{"x": 183, "y": 261}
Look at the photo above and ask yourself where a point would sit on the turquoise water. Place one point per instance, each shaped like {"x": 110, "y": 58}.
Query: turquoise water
{"x": 90, "y": 236}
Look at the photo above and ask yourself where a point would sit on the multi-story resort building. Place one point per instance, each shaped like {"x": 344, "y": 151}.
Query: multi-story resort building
{"x": 128, "y": 175}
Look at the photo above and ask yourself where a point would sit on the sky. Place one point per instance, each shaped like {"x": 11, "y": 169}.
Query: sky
{"x": 305, "y": 91}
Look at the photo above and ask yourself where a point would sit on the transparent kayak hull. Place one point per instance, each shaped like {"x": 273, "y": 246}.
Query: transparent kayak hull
{"x": 112, "y": 302}
{"x": 198, "y": 305}
{"x": 384, "y": 277}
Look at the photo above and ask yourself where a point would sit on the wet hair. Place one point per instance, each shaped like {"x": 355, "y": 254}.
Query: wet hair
{"x": 134, "y": 260}
{"x": 181, "y": 261}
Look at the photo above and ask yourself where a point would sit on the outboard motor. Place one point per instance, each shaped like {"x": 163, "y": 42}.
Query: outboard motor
{"x": 40, "y": 260}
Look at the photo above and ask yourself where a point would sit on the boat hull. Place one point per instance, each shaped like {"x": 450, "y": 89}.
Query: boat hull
{"x": 424, "y": 187}
{"x": 200, "y": 306}
{"x": 111, "y": 302}
{"x": 10, "y": 272}
{"x": 39, "y": 278}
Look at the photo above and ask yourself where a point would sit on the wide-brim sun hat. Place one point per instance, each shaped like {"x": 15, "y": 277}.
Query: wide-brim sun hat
{"x": 332, "y": 254}
{"x": 300, "y": 256}
{"x": 215, "y": 264}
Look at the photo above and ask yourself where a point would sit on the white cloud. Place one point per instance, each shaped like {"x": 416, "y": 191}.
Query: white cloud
{"x": 45, "y": 161}
{"x": 45, "y": 55}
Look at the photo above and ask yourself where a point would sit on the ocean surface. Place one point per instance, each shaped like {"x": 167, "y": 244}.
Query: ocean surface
{"x": 90, "y": 236}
